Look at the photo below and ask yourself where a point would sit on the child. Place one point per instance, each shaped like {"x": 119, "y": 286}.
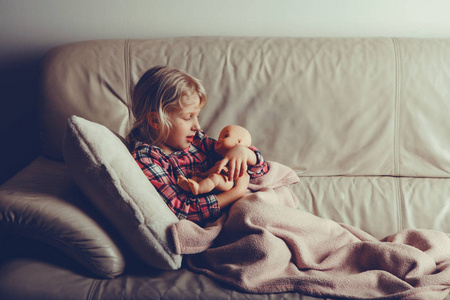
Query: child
{"x": 201, "y": 183}
{"x": 168, "y": 143}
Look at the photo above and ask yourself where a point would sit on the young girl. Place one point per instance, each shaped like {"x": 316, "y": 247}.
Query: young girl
{"x": 168, "y": 142}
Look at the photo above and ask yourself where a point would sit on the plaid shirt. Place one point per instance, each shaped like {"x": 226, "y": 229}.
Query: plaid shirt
{"x": 163, "y": 170}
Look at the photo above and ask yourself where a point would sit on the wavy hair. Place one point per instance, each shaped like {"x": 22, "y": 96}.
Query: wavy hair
{"x": 158, "y": 93}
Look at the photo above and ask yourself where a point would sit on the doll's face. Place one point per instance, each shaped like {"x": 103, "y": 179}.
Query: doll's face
{"x": 231, "y": 136}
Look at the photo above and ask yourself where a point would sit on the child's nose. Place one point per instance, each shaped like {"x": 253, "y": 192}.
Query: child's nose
{"x": 196, "y": 126}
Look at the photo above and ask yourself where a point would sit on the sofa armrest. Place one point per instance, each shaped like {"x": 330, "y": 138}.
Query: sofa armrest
{"x": 42, "y": 202}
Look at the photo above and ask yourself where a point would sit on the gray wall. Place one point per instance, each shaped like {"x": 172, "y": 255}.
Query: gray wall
{"x": 28, "y": 28}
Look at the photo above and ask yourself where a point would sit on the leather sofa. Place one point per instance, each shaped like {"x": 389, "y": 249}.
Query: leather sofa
{"x": 364, "y": 122}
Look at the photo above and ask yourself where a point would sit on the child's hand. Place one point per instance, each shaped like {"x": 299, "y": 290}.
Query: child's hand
{"x": 236, "y": 159}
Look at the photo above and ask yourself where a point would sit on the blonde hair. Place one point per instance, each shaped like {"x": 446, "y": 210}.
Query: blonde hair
{"x": 158, "y": 93}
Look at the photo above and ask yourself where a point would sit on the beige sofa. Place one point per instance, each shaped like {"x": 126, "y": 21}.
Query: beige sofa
{"x": 364, "y": 122}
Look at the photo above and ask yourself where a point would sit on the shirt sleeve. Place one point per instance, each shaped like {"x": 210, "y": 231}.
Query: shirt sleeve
{"x": 260, "y": 168}
{"x": 197, "y": 209}
{"x": 203, "y": 143}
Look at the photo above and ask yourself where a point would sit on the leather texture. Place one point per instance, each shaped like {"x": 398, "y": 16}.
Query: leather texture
{"x": 379, "y": 205}
{"x": 330, "y": 106}
{"x": 62, "y": 283}
{"x": 363, "y": 121}
{"x": 43, "y": 203}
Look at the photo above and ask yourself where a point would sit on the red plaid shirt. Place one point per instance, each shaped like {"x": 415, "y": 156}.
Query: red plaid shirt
{"x": 163, "y": 170}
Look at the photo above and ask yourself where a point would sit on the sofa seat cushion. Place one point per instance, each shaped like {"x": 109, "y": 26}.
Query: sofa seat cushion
{"x": 52, "y": 280}
{"x": 379, "y": 205}
{"x": 108, "y": 175}
{"x": 43, "y": 203}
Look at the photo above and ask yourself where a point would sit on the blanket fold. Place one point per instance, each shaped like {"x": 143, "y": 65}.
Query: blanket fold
{"x": 265, "y": 245}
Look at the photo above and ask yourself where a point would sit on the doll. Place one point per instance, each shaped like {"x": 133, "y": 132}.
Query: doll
{"x": 201, "y": 183}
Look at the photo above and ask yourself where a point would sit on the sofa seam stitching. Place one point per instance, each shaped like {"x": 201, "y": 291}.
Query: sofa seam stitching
{"x": 92, "y": 289}
{"x": 396, "y": 149}
{"x": 127, "y": 77}
{"x": 396, "y": 108}
{"x": 126, "y": 58}
{"x": 398, "y": 196}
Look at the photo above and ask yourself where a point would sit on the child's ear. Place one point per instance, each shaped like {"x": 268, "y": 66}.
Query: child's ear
{"x": 153, "y": 120}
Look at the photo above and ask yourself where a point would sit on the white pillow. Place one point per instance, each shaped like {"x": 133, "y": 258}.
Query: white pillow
{"x": 108, "y": 175}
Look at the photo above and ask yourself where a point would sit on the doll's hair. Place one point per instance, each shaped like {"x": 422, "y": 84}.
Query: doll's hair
{"x": 159, "y": 92}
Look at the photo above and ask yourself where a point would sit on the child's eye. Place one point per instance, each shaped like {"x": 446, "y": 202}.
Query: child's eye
{"x": 190, "y": 117}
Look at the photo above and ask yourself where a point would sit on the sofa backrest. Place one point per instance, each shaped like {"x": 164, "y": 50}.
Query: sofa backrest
{"x": 324, "y": 106}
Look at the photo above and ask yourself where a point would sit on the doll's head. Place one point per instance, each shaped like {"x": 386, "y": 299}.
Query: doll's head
{"x": 231, "y": 136}
{"x": 158, "y": 93}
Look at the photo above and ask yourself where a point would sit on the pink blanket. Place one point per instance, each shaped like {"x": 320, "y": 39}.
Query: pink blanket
{"x": 265, "y": 245}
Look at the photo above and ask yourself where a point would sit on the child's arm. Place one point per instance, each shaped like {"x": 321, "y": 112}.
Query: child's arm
{"x": 260, "y": 168}
{"x": 237, "y": 192}
{"x": 195, "y": 208}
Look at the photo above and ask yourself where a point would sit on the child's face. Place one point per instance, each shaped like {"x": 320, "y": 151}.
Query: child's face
{"x": 184, "y": 125}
